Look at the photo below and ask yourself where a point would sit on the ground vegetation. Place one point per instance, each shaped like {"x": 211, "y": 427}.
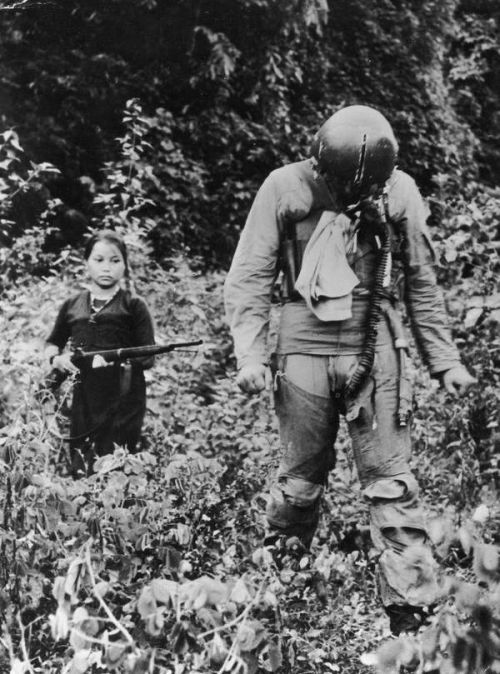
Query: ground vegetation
{"x": 160, "y": 120}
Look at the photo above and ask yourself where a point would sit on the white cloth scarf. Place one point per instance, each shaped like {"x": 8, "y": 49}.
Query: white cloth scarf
{"x": 326, "y": 280}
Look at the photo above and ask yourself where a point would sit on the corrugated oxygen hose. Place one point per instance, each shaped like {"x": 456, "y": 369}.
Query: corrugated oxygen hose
{"x": 367, "y": 356}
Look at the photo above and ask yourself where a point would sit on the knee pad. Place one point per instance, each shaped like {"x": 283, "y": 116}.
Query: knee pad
{"x": 399, "y": 487}
{"x": 294, "y": 502}
{"x": 397, "y": 520}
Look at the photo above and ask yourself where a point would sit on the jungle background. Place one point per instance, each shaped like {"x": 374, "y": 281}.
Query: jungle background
{"x": 160, "y": 119}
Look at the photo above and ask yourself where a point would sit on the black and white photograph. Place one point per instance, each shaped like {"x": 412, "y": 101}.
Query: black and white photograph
{"x": 249, "y": 336}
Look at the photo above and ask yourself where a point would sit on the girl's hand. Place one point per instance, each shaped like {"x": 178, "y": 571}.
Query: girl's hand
{"x": 99, "y": 361}
{"x": 63, "y": 362}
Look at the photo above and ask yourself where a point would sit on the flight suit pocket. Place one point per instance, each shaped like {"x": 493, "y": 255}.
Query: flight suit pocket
{"x": 361, "y": 409}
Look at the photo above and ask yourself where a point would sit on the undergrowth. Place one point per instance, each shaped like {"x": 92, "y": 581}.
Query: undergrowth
{"x": 157, "y": 562}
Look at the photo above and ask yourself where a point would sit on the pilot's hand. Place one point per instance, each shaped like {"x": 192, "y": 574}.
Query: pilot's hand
{"x": 252, "y": 378}
{"x": 457, "y": 380}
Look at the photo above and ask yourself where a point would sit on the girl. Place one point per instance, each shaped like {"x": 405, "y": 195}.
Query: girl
{"x": 109, "y": 402}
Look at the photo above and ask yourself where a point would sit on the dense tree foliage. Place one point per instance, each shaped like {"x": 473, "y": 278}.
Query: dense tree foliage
{"x": 233, "y": 88}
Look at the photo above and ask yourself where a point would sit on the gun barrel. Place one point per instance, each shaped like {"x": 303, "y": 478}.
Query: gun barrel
{"x": 120, "y": 355}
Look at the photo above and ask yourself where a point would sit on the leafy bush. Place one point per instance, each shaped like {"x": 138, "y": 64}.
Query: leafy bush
{"x": 156, "y": 562}
{"x": 24, "y": 199}
{"x": 224, "y": 102}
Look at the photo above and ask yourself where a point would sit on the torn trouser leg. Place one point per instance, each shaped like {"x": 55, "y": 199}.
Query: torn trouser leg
{"x": 381, "y": 450}
{"x": 406, "y": 566}
{"x": 308, "y": 426}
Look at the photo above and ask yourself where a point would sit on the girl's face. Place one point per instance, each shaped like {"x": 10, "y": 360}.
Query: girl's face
{"x": 105, "y": 265}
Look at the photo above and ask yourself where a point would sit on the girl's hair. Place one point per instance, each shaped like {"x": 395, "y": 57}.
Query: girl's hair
{"x": 109, "y": 236}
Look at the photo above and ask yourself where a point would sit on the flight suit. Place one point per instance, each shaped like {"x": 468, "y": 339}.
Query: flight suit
{"x": 314, "y": 359}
